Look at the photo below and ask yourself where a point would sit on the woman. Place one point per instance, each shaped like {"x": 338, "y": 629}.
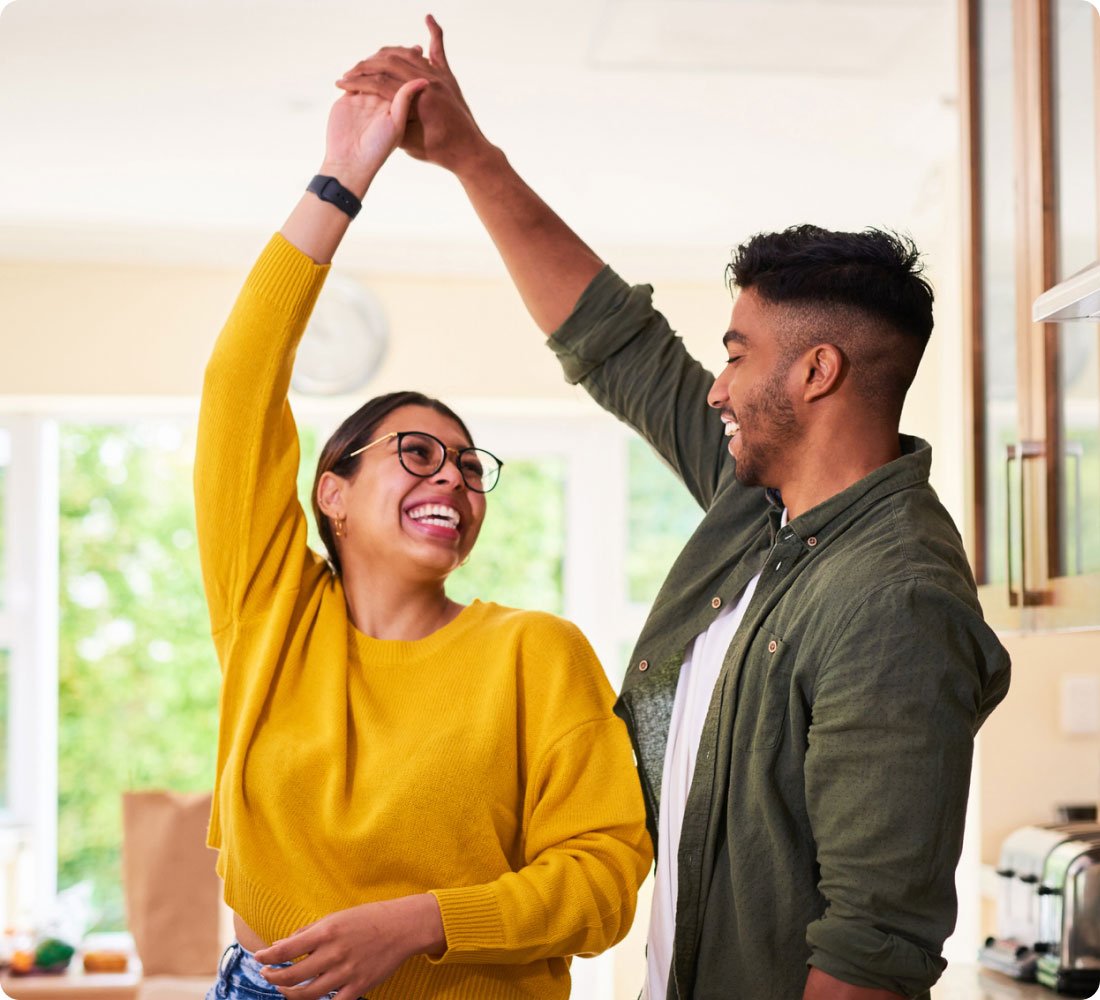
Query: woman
{"x": 439, "y": 796}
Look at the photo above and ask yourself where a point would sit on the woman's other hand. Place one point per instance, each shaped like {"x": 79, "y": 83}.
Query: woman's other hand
{"x": 351, "y": 951}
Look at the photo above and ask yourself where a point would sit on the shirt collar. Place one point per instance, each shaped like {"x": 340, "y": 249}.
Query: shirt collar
{"x": 911, "y": 468}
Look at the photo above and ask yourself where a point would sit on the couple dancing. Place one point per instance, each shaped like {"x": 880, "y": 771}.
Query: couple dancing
{"x": 416, "y": 798}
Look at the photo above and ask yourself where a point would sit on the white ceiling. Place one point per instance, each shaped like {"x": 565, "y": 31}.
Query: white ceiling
{"x": 662, "y": 129}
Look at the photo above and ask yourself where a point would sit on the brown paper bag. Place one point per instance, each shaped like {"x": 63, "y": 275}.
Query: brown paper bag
{"x": 172, "y": 890}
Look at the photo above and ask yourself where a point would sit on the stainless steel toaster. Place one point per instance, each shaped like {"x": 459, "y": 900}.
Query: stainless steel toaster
{"x": 1020, "y": 939}
{"x": 1069, "y": 918}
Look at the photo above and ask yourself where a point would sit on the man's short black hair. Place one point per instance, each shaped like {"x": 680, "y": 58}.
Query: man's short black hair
{"x": 876, "y": 271}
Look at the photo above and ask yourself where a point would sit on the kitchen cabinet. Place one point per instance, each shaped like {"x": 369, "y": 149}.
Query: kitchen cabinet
{"x": 1032, "y": 116}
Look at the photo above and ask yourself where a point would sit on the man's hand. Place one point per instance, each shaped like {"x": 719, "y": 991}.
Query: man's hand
{"x": 351, "y": 951}
{"x": 441, "y": 129}
{"x": 821, "y": 986}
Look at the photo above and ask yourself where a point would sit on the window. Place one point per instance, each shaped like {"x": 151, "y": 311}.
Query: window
{"x": 5, "y": 629}
{"x": 585, "y": 523}
{"x": 138, "y": 684}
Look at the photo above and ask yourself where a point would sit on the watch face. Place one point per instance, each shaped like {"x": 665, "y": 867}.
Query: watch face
{"x": 345, "y": 341}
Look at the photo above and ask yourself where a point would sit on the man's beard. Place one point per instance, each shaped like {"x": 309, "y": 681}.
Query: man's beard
{"x": 769, "y": 416}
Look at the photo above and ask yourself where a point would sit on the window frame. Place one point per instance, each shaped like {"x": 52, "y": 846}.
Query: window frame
{"x": 28, "y": 629}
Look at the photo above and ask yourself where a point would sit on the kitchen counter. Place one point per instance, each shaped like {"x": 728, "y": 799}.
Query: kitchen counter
{"x": 76, "y": 984}
{"x": 959, "y": 982}
{"x": 973, "y": 982}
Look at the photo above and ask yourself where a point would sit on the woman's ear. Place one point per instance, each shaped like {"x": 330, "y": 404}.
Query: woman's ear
{"x": 330, "y": 495}
{"x": 824, "y": 371}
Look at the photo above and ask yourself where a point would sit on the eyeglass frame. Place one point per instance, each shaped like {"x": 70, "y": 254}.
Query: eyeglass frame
{"x": 448, "y": 452}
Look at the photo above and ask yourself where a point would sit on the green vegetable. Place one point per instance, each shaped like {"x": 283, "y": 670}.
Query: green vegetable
{"x": 53, "y": 954}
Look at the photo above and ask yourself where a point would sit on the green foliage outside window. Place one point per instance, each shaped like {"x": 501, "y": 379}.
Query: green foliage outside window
{"x": 662, "y": 516}
{"x": 519, "y": 556}
{"x": 138, "y": 675}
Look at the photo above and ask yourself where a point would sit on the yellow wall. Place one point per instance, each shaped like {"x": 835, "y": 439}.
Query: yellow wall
{"x": 1027, "y": 765}
{"x": 122, "y": 329}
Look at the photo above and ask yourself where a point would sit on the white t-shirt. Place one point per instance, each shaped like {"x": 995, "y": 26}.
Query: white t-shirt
{"x": 694, "y": 690}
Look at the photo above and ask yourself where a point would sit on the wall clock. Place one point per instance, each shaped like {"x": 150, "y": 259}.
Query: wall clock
{"x": 345, "y": 341}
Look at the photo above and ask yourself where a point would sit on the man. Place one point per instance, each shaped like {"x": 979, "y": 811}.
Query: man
{"x": 804, "y": 696}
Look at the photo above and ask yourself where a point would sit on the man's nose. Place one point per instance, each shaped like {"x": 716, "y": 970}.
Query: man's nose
{"x": 719, "y": 396}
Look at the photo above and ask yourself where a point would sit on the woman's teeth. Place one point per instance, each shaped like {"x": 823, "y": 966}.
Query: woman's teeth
{"x": 436, "y": 513}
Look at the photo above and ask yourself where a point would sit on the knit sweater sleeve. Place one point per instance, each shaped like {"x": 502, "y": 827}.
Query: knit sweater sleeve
{"x": 251, "y": 528}
{"x": 586, "y": 849}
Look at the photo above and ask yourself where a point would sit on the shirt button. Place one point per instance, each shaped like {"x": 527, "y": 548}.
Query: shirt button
{"x": 773, "y": 646}
{"x": 811, "y": 541}
{"x": 643, "y": 665}
{"x": 716, "y": 602}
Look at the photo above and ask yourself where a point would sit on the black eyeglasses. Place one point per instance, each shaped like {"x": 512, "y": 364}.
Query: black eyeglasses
{"x": 423, "y": 455}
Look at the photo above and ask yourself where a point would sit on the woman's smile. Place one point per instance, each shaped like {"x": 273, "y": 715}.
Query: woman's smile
{"x": 436, "y": 517}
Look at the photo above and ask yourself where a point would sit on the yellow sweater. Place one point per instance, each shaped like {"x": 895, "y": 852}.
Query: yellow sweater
{"x": 482, "y": 763}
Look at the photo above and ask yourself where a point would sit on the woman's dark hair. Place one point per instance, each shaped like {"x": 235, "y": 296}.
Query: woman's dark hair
{"x": 355, "y": 432}
{"x": 875, "y": 271}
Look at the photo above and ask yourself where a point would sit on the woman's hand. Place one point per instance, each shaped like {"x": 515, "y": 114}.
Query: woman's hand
{"x": 363, "y": 129}
{"x": 351, "y": 951}
{"x": 441, "y": 128}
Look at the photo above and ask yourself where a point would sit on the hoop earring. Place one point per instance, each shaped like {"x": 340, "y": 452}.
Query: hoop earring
{"x": 464, "y": 561}
{"x": 340, "y": 527}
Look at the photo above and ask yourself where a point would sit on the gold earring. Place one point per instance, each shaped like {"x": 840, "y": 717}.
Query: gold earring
{"x": 340, "y": 526}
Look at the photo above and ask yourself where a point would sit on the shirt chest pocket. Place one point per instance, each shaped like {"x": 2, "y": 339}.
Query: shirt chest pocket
{"x": 764, "y": 691}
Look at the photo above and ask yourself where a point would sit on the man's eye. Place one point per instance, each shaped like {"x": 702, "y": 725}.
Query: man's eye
{"x": 732, "y": 360}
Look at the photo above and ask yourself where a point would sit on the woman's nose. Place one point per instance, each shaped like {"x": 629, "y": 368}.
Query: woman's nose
{"x": 449, "y": 473}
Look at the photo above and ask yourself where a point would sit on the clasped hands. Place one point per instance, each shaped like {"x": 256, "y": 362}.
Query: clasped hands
{"x": 351, "y": 951}
{"x": 440, "y": 127}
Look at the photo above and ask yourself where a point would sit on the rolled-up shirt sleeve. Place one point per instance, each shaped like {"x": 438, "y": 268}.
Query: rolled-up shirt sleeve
{"x": 895, "y": 710}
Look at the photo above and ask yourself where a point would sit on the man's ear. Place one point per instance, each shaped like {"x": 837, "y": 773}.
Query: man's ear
{"x": 824, "y": 367}
{"x": 330, "y": 494}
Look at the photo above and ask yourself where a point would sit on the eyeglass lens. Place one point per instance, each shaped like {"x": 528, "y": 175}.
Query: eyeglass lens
{"x": 424, "y": 455}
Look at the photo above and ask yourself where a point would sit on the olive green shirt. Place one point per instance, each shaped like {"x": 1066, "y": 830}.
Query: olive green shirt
{"x": 825, "y": 817}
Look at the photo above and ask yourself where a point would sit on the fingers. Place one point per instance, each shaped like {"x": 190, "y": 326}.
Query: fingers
{"x": 379, "y": 84}
{"x": 293, "y": 975}
{"x": 436, "y": 53}
{"x": 350, "y": 993}
{"x": 397, "y": 61}
{"x": 399, "y": 110}
{"x": 285, "y": 950}
{"x": 321, "y": 986}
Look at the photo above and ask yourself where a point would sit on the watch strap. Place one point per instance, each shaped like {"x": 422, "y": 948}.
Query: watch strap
{"x": 331, "y": 190}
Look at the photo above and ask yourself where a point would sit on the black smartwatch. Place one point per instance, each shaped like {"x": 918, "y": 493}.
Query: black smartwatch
{"x": 331, "y": 190}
